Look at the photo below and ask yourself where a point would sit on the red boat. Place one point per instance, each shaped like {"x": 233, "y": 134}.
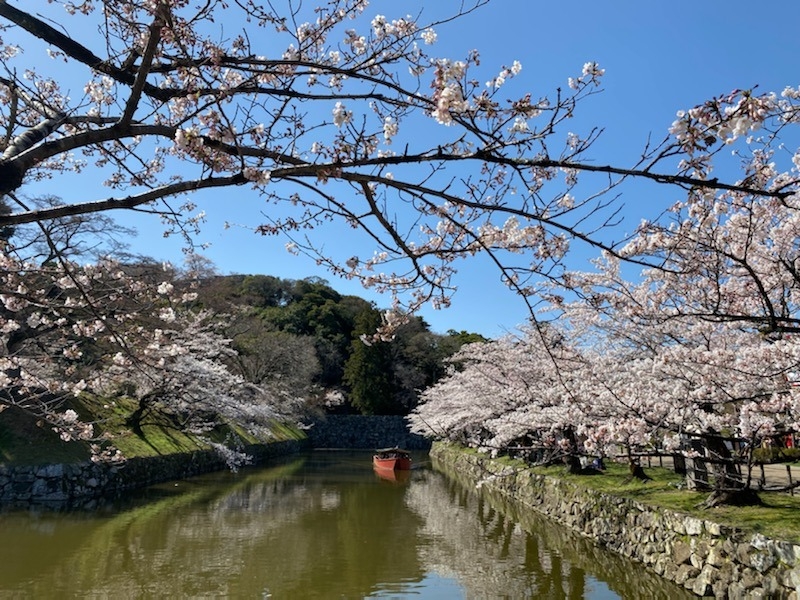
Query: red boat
{"x": 393, "y": 459}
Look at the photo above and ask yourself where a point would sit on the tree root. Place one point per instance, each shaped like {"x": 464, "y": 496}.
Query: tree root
{"x": 637, "y": 472}
{"x": 740, "y": 497}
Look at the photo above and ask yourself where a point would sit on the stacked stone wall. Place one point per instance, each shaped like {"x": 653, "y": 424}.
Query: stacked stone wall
{"x": 703, "y": 556}
{"x": 85, "y": 483}
{"x": 361, "y": 432}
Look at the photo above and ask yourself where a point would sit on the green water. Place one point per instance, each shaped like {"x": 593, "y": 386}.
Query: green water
{"x": 321, "y": 525}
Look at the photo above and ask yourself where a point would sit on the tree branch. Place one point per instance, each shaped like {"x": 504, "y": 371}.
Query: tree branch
{"x": 129, "y": 202}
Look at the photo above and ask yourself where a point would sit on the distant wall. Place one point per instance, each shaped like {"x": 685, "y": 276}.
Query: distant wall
{"x": 357, "y": 431}
{"x": 703, "y": 556}
{"x": 85, "y": 483}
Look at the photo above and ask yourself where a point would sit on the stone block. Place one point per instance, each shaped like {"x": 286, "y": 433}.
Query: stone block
{"x": 685, "y": 573}
{"x": 693, "y": 526}
{"x": 743, "y": 553}
{"x": 785, "y": 552}
{"x": 705, "y": 580}
{"x": 712, "y": 527}
{"x": 771, "y": 585}
{"x": 721, "y": 589}
{"x": 39, "y": 488}
{"x": 729, "y": 547}
{"x": 750, "y": 579}
{"x": 50, "y": 471}
{"x": 678, "y": 526}
{"x": 716, "y": 556}
{"x": 762, "y": 561}
{"x": 22, "y": 488}
{"x": 681, "y": 552}
{"x": 759, "y": 541}
{"x": 650, "y": 553}
{"x": 55, "y": 496}
{"x": 792, "y": 578}
{"x": 736, "y": 590}
{"x": 700, "y": 548}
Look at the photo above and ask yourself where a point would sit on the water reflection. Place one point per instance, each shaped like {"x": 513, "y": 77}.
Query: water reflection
{"x": 319, "y": 526}
{"x": 488, "y": 545}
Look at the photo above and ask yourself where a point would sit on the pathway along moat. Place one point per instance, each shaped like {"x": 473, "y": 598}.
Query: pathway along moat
{"x": 318, "y": 525}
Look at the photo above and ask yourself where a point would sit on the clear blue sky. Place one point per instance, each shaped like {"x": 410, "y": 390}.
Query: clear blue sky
{"x": 659, "y": 57}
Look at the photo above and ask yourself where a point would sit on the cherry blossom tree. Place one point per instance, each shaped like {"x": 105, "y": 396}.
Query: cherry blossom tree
{"x": 506, "y": 394}
{"x": 115, "y": 329}
{"x": 60, "y": 320}
{"x": 638, "y": 377}
{"x": 714, "y": 326}
{"x": 184, "y": 373}
{"x": 317, "y": 109}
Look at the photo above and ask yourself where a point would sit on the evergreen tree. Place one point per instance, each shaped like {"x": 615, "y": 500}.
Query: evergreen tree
{"x": 368, "y": 372}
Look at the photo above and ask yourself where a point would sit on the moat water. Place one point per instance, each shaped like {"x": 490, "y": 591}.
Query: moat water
{"x": 317, "y": 525}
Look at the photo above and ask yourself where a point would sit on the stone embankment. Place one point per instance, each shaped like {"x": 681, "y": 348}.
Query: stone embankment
{"x": 85, "y": 483}
{"x": 357, "y": 431}
{"x": 705, "y": 557}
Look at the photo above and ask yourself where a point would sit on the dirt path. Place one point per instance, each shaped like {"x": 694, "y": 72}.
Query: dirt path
{"x": 774, "y": 475}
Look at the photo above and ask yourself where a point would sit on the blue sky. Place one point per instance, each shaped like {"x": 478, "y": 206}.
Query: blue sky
{"x": 659, "y": 57}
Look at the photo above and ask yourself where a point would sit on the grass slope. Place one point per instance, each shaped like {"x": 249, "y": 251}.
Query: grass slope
{"x": 25, "y": 440}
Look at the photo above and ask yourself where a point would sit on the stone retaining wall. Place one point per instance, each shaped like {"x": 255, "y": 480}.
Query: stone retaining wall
{"x": 85, "y": 483}
{"x": 357, "y": 431}
{"x": 704, "y": 557}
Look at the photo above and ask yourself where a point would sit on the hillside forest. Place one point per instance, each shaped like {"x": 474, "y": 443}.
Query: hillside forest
{"x": 305, "y": 339}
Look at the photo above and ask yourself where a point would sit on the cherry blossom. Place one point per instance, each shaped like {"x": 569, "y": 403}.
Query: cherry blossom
{"x": 106, "y": 328}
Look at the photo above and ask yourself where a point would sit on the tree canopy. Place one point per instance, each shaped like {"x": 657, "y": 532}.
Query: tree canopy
{"x": 318, "y": 110}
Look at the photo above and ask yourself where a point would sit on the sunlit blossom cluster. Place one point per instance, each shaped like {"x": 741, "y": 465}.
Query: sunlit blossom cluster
{"x": 505, "y": 74}
{"x": 449, "y": 93}
{"x": 341, "y": 116}
{"x": 591, "y": 73}
{"x": 382, "y": 27}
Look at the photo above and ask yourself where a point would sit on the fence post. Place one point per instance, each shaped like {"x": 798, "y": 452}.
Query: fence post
{"x": 789, "y": 475}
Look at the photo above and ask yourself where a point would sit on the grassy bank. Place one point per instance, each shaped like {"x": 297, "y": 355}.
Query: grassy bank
{"x": 776, "y": 518}
{"x": 25, "y": 440}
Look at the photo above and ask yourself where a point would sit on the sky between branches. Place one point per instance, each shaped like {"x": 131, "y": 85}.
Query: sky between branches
{"x": 659, "y": 58}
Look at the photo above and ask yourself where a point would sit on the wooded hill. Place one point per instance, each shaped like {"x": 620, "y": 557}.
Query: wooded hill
{"x": 304, "y": 337}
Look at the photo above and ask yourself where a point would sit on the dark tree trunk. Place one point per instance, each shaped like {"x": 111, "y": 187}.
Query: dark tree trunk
{"x": 134, "y": 420}
{"x": 696, "y": 468}
{"x": 574, "y": 464}
{"x": 637, "y": 472}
